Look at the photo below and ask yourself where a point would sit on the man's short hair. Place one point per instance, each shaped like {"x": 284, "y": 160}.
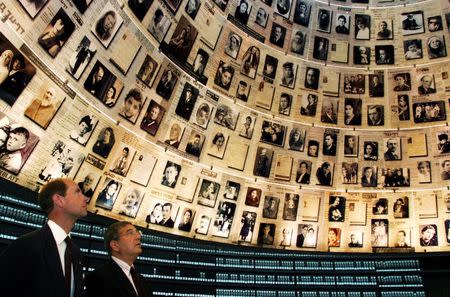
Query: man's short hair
{"x": 402, "y": 231}
{"x": 135, "y": 93}
{"x": 168, "y": 204}
{"x": 443, "y": 136}
{"x": 21, "y": 130}
{"x": 45, "y": 197}
{"x": 112, "y": 233}
{"x": 341, "y": 17}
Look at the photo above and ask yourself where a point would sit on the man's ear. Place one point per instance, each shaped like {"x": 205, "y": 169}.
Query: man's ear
{"x": 58, "y": 200}
{"x": 114, "y": 245}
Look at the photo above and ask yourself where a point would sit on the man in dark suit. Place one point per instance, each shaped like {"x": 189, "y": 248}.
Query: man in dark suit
{"x": 167, "y": 215}
{"x": 45, "y": 263}
{"x": 118, "y": 277}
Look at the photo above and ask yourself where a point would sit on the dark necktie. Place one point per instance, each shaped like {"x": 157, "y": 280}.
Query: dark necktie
{"x": 68, "y": 265}
{"x": 137, "y": 282}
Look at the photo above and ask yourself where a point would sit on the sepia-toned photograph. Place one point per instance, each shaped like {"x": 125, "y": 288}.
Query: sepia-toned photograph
{"x": 186, "y": 219}
{"x": 56, "y": 34}
{"x": 148, "y": 70}
{"x": 15, "y": 71}
{"x": 395, "y": 177}
{"x": 312, "y": 78}
{"x": 329, "y": 143}
{"x": 369, "y": 176}
{"x": 108, "y": 195}
{"x": 298, "y": 41}
{"x": 376, "y": 84}
{"x": 243, "y": 91}
{"x": 233, "y": 44}
{"x": 167, "y": 83}
{"x": 385, "y": 30}
{"x": 309, "y": 104}
{"x": 283, "y": 8}
{"x": 247, "y": 125}
{"x": 105, "y": 142}
{"x": 159, "y": 24}
{"x": 436, "y": 47}
{"x": 218, "y": 144}
{"x": 81, "y": 57}
{"x": 324, "y": 174}
{"x": 320, "y": 48}
{"x": 226, "y": 116}
{"x": 266, "y": 233}
{"x": 379, "y": 232}
{"x": 248, "y": 221}
{"x": 361, "y": 55}
{"x": 336, "y": 209}
{"x": 170, "y": 175}
{"x": 203, "y": 225}
{"x": 232, "y": 190}
{"x": 103, "y": 84}
{"x": 202, "y": 113}
{"x": 329, "y": 111}
{"x": 224, "y": 219}
{"x": 195, "y": 143}
{"x": 324, "y": 20}
{"x": 63, "y": 163}
{"x": 375, "y": 115}
{"x": 131, "y": 201}
{"x": 430, "y": 111}
{"x": 290, "y": 208}
{"x": 349, "y": 173}
{"x": 182, "y": 40}
{"x": 307, "y": 235}
{"x": 362, "y": 26}
{"x": 370, "y": 150}
{"x": 174, "y": 134}
{"x": 428, "y": 235}
{"x": 412, "y": 49}
{"x": 263, "y": 162}
{"x": 334, "y": 237}
{"x": 277, "y": 35}
{"x": 187, "y": 101}
{"x": 107, "y": 25}
{"x": 224, "y": 75}
{"x": 384, "y": 54}
{"x": 302, "y": 12}
{"x": 401, "y": 208}
{"x": 342, "y": 23}
{"x": 208, "y": 192}
{"x": 84, "y": 128}
{"x": 412, "y": 23}
{"x": 262, "y": 16}
{"x": 152, "y": 118}
{"x": 273, "y": 133}
{"x": 87, "y": 179}
{"x": 122, "y": 160}
{"x": 132, "y": 105}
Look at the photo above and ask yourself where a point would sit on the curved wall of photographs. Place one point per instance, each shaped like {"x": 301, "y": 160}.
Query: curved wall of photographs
{"x": 285, "y": 124}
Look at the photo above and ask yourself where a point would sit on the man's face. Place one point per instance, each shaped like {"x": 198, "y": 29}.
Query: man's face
{"x": 226, "y": 78}
{"x": 266, "y": 230}
{"x": 310, "y": 77}
{"x": 241, "y": 89}
{"x": 277, "y": 33}
{"x": 88, "y": 180}
{"x": 374, "y": 115}
{"x": 400, "y": 80}
{"x": 341, "y": 22}
{"x": 383, "y": 26}
{"x": 132, "y": 107}
{"x": 303, "y": 168}
{"x": 288, "y": 72}
{"x": 17, "y": 64}
{"x": 400, "y": 237}
{"x": 392, "y": 145}
{"x": 283, "y": 102}
{"x": 328, "y": 140}
{"x": 171, "y": 173}
{"x": 74, "y": 202}
{"x": 260, "y": 15}
{"x": 382, "y": 54}
{"x": 99, "y": 74}
{"x": 197, "y": 140}
{"x": 447, "y": 166}
{"x": 129, "y": 242}
{"x": 48, "y": 95}
{"x": 83, "y": 128}
{"x": 352, "y": 238}
{"x": 109, "y": 22}
{"x": 426, "y": 81}
{"x": 269, "y": 68}
{"x": 15, "y": 142}
{"x": 154, "y": 113}
{"x": 167, "y": 211}
{"x": 369, "y": 172}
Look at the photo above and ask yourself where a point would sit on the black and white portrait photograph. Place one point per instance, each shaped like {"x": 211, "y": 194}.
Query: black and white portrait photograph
{"x": 430, "y": 111}
{"x": 380, "y": 207}
{"x": 105, "y": 142}
{"x": 412, "y": 23}
{"x": 384, "y": 54}
{"x": 297, "y": 137}
{"x": 107, "y": 25}
{"x": 203, "y": 224}
{"x": 379, "y": 232}
{"x": 253, "y": 197}
{"x": 436, "y": 47}
{"x": 329, "y": 111}
{"x": 81, "y": 57}
{"x": 362, "y": 26}
{"x": 170, "y": 174}
{"x": 443, "y": 142}
{"x": 445, "y": 169}
{"x": 351, "y": 145}
{"x": 370, "y": 150}
{"x": 261, "y": 17}
{"x": 192, "y": 7}
{"x": 108, "y": 195}
{"x": 303, "y": 174}
{"x": 63, "y": 163}
{"x": 103, "y": 84}
{"x": 131, "y": 201}
{"x": 270, "y": 67}
{"x": 395, "y": 177}
{"x": 139, "y": 7}
{"x": 428, "y": 235}
{"x": 402, "y": 82}
{"x": 336, "y": 209}
{"x": 202, "y": 113}
{"x": 148, "y": 70}
{"x": 187, "y": 101}
{"x": 298, "y": 40}
{"x": 33, "y": 7}
{"x": 247, "y": 125}
{"x": 369, "y": 176}
{"x": 224, "y": 75}
{"x": 224, "y": 219}
{"x": 356, "y": 239}
{"x": 159, "y": 24}
{"x": 324, "y": 20}
{"x": 243, "y": 91}
{"x": 342, "y": 23}
{"x": 313, "y": 148}
{"x": 426, "y": 84}
{"x": 263, "y": 162}
{"x": 384, "y": 30}
{"x": 162, "y": 213}
{"x": 320, "y": 51}
{"x": 218, "y": 144}
{"x": 307, "y": 236}
{"x": 273, "y": 133}
{"x": 242, "y": 12}
{"x": 199, "y": 65}
{"x": 182, "y": 40}
{"x": 349, "y": 173}
{"x": 324, "y": 174}
{"x": 226, "y": 116}
{"x": 290, "y": 208}
{"x": 15, "y": 71}
{"x": 435, "y": 23}
{"x": 424, "y": 172}
{"x": 329, "y": 143}
{"x": 266, "y": 233}
{"x": 56, "y": 34}
{"x": 232, "y": 45}
{"x": 250, "y": 61}
{"x": 45, "y": 104}
{"x": 375, "y": 115}
{"x": 412, "y": 49}
{"x": 354, "y": 83}
{"x": 376, "y": 84}
{"x": 87, "y": 179}
{"x": 152, "y": 118}
{"x": 174, "y": 134}
{"x": 232, "y": 190}
{"x": 352, "y": 111}
{"x": 84, "y": 128}
{"x": 392, "y": 148}
{"x": 167, "y": 83}
{"x": 277, "y": 35}
{"x": 302, "y": 12}
{"x": 283, "y": 8}
{"x": 361, "y": 55}
{"x": 309, "y": 104}
{"x": 289, "y": 75}
{"x": 122, "y": 159}
{"x": 403, "y": 107}
{"x": 248, "y": 221}
{"x": 312, "y": 78}
{"x": 208, "y": 193}
{"x": 270, "y": 207}
{"x": 16, "y": 144}
{"x": 186, "y": 219}
{"x": 286, "y": 237}
{"x": 173, "y": 5}
{"x": 132, "y": 105}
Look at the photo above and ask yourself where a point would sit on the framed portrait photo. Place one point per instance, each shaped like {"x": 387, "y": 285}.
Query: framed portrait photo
{"x": 107, "y": 25}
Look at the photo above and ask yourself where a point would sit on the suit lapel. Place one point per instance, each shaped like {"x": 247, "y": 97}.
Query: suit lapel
{"x": 122, "y": 279}
{"x": 52, "y": 261}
